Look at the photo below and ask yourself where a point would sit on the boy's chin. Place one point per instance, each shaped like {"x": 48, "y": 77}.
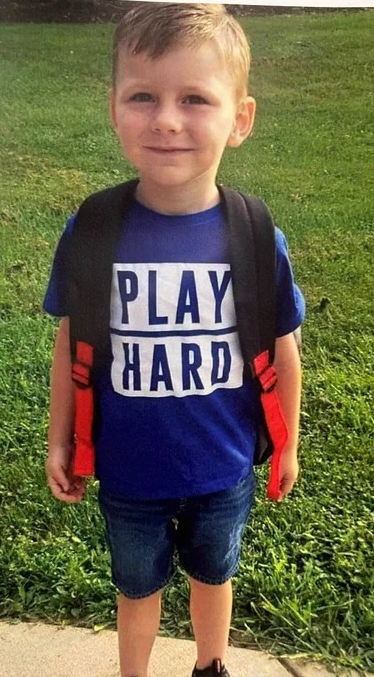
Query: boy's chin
{"x": 166, "y": 179}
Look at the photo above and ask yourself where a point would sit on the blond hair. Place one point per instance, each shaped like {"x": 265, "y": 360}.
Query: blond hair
{"x": 157, "y": 27}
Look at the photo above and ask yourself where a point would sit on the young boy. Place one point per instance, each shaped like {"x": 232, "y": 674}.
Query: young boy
{"x": 174, "y": 446}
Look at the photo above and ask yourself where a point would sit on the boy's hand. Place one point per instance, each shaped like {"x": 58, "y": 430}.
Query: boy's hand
{"x": 61, "y": 481}
{"x": 288, "y": 471}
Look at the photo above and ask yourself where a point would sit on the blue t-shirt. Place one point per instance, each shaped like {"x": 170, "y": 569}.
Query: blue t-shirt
{"x": 174, "y": 416}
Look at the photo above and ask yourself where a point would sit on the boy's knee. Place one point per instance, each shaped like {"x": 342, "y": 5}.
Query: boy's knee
{"x": 199, "y": 584}
{"x": 155, "y": 595}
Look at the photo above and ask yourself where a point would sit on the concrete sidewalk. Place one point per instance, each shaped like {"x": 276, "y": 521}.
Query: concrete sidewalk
{"x": 38, "y": 650}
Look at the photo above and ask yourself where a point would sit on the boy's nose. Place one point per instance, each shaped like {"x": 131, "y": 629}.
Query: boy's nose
{"x": 166, "y": 119}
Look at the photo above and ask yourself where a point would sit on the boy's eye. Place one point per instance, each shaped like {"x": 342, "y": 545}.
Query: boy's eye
{"x": 141, "y": 96}
{"x": 144, "y": 97}
{"x": 194, "y": 98}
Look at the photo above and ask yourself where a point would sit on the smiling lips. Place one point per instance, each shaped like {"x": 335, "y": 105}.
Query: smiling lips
{"x": 167, "y": 150}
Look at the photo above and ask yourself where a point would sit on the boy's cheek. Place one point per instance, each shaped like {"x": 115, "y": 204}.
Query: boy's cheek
{"x": 130, "y": 127}
{"x": 126, "y": 133}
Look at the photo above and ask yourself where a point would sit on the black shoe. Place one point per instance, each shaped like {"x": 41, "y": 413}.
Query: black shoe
{"x": 214, "y": 670}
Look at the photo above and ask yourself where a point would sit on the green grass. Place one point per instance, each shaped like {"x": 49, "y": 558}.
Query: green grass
{"x": 306, "y": 581}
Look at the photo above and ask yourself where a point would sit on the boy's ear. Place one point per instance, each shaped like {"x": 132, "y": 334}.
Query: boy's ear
{"x": 244, "y": 119}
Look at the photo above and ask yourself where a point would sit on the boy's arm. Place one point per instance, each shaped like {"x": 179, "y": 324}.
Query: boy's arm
{"x": 61, "y": 427}
{"x": 288, "y": 368}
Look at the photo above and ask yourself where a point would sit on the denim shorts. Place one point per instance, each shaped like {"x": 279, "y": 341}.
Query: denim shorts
{"x": 206, "y": 530}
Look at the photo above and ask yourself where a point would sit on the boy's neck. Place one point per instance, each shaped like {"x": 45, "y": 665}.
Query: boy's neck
{"x": 176, "y": 200}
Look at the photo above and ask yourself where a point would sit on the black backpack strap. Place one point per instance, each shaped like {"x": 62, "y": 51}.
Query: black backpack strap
{"x": 265, "y": 254}
{"x": 94, "y": 237}
{"x": 251, "y": 237}
{"x": 95, "y": 234}
{"x": 252, "y": 254}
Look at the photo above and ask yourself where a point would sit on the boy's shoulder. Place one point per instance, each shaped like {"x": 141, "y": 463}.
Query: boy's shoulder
{"x": 100, "y": 200}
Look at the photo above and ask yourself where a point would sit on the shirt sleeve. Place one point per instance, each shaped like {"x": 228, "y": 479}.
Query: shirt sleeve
{"x": 55, "y": 300}
{"x": 290, "y": 300}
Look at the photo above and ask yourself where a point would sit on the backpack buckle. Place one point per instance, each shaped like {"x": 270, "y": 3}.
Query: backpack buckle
{"x": 265, "y": 372}
{"x": 81, "y": 369}
{"x": 81, "y": 374}
{"x": 268, "y": 379}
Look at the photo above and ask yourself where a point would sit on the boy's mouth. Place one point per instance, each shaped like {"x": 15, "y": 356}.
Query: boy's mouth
{"x": 161, "y": 150}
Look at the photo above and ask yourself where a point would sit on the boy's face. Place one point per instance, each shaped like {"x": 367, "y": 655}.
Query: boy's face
{"x": 174, "y": 116}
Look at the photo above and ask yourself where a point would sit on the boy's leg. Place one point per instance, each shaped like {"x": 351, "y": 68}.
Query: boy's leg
{"x": 209, "y": 537}
{"x": 138, "y": 621}
{"x": 210, "y": 608}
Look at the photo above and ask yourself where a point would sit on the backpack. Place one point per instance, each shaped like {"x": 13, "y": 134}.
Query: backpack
{"x": 252, "y": 250}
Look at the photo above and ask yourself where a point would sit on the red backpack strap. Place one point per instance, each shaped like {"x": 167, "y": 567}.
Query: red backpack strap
{"x": 274, "y": 418}
{"x": 84, "y": 457}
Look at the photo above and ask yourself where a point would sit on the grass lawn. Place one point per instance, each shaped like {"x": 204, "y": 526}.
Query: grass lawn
{"x": 306, "y": 580}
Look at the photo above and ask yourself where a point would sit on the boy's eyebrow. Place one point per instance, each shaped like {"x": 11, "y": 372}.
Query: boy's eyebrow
{"x": 144, "y": 84}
